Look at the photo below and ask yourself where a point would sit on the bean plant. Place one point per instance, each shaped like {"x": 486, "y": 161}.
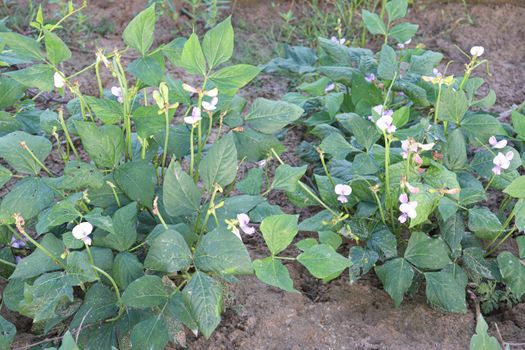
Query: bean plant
{"x": 139, "y": 229}
{"x": 415, "y": 179}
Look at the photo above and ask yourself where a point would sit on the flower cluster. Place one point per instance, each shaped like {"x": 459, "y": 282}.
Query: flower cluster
{"x": 409, "y": 146}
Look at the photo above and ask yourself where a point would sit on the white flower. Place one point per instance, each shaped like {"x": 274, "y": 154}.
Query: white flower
{"x": 402, "y": 45}
{"x": 407, "y": 208}
{"x": 244, "y": 220}
{"x": 117, "y": 92}
{"x": 210, "y": 106}
{"x": 212, "y": 93}
{"x": 477, "y": 51}
{"x": 386, "y": 123}
{"x": 195, "y": 116}
{"x": 59, "y": 80}
{"x": 502, "y": 161}
{"x": 342, "y": 191}
{"x": 337, "y": 41}
{"x": 82, "y": 232}
{"x": 329, "y": 87}
{"x": 494, "y": 143}
{"x": 378, "y": 109}
{"x": 262, "y": 163}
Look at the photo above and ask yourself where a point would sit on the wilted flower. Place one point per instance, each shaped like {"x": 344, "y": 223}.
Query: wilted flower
{"x": 338, "y": 41}
{"x": 195, "y": 116}
{"x": 117, "y": 92}
{"x": 244, "y": 220}
{"x": 502, "y": 161}
{"x": 407, "y": 208}
{"x": 494, "y": 143}
{"x": 342, "y": 191}
{"x": 59, "y": 80}
{"x": 371, "y": 77}
{"x": 329, "y": 87}
{"x": 477, "y": 51}
{"x": 82, "y": 232}
{"x": 210, "y": 106}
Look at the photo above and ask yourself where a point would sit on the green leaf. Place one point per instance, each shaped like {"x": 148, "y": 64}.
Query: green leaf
{"x": 518, "y": 122}
{"x": 438, "y": 176}
{"x": 150, "y": 334}
{"x": 373, "y": 23}
{"x": 279, "y": 231}
{"x": 168, "y": 253}
{"x": 513, "y": 272}
{"x": 204, "y": 295}
{"x": 181, "y": 310}
{"x": 336, "y": 145}
{"x": 255, "y": 146}
{"x": 425, "y": 204}
{"x": 330, "y": 238}
{"x": 39, "y": 262}
{"x": 484, "y": 223}
{"x": 219, "y": 165}
{"x": 403, "y": 32}
{"x": 516, "y": 188}
{"x": 79, "y": 268}
{"x": 252, "y": 182}
{"x": 387, "y": 67}
{"x": 68, "y": 343}
{"x": 144, "y": 292}
{"x": 234, "y": 77}
{"x": 57, "y": 50}
{"x": 148, "y": 69}
{"x": 10, "y": 92}
{"x": 126, "y": 269}
{"x": 396, "y": 9}
{"x": 271, "y": 271}
{"x": 384, "y": 243}
{"x": 453, "y": 105}
{"x": 427, "y": 253}
{"x": 123, "y": 231}
{"x": 137, "y": 181}
{"x": 28, "y": 198}
{"x": 217, "y": 44}
{"x": 192, "y": 58}
{"x": 446, "y": 289}
{"x": 105, "y": 144}
{"x": 323, "y": 262}
{"x": 79, "y": 176}
{"x": 424, "y": 64}
{"x": 180, "y": 194}
{"x": 269, "y": 116}
{"x": 5, "y": 176}
{"x": 108, "y": 111}
{"x": 147, "y": 121}
{"x": 481, "y": 127}
{"x": 18, "y": 157}
{"x": 139, "y": 32}
{"x": 396, "y": 275}
{"x": 452, "y": 230}
{"x": 39, "y": 76}
{"x": 287, "y": 177}
{"x": 7, "y": 333}
{"x": 364, "y": 131}
{"x": 477, "y": 266}
{"x": 481, "y": 340}
{"x": 521, "y": 246}
{"x": 221, "y": 252}
{"x": 363, "y": 260}
{"x": 22, "y": 45}
{"x": 456, "y": 150}
{"x": 99, "y": 304}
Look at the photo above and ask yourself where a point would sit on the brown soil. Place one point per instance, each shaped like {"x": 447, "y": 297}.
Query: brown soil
{"x": 339, "y": 315}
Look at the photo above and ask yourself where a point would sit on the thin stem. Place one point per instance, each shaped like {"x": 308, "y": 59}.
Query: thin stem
{"x": 490, "y": 181}
{"x": 436, "y": 111}
{"x": 321, "y": 156}
{"x": 39, "y": 246}
{"x": 24, "y": 146}
{"x": 90, "y": 256}
{"x": 166, "y": 139}
{"x": 117, "y": 293}
{"x": 99, "y": 81}
{"x": 5, "y": 262}
{"x": 192, "y": 150}
{"x": 501, "y": 242}
{"x": 66, "y": 132}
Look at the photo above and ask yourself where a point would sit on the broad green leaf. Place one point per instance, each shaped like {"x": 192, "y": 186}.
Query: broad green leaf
{"x": 384, "y": 243}
{"x": 446, "y": 289}
{"x": 269, "y": 116}
{"x": 39, "y": 262}
{"x": 7, "y": 333}
{"x": 20, "y": 158}
{"x": 68, "y": 342}
{"x": 79, "y": 176}
{"x": 22, "y": 45}
{"x": 123, "y": 231}
{"x": 10, "y": 92}
{"x": 149, "y": 69}
{"x": 232, "y": 78}
{"x": 287, "y": 177}
{"x": 516, "y": 188}
{"x": 108, "y": 111}
{"x": 252, "y": 182}
{"x": 126, "y": 269}
{"x": 137, "y": 181}
{"x": 271, "y": 271}
{"x": 146, "y": 291}
{"x": 481, "y": 340}
{"x": 204, "y": 295}
{"x": 373, "y": 23}
{"x": 105, "y": 144}
{"x": 255, "y": 146}
{"x": 453, "y": 105}
{"x": 217, "y": 44}
{"x": 336, "y": 145}
{"x": 438, "y": 176}
{"x": 363, "y": 260}
{"x": 221, "y": 252}
{"x": 480, "y": 127}
{"x": 521, "y": 246}
{"x": 387, "y": 67}
{"x": 99, "y": 304}
{"x": 396, "y": 275}
{"x": 99, "y": 336}
{"x": 168, "y": 253}
{"x": 5, "y": 175}
{"x": 477, "y": 266}
{"x": 456, "y": 150}
{"x": 364, "y": 131}
{"x": 452, "y": 231}
{"x": 57, "y": 50}
{"x": 219, "y": 165}
{"x": 518, "y": 122}
{"x": 39, "y": 76}
{"x": 513, "y": 272}
{"x": 181, "y": 310}
{"x": 330, "y": 238}
{"x": 139, "y": 32}
{"x": 396, "y": 9}
{"x": 484, "y": 223}
{"x": 279, "y": 231}
{"x": 417, "y": 94}
{"x": 403, "y": 32}
{"x": 425, "y": 204}
{"x": 148, "y": 122}
{"x": 323, "y": 262}
{"x": 192, "y": 58}
{"x": 425, "y": 63}
{"x": 28, "y": 198}
{"x": 78, "y": 268}
{"x": 427, "y": 253}
{"x": 180, "y": 194}
{"x": 150, "y": 334}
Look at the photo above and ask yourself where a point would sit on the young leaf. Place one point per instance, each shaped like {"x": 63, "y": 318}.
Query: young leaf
{"x": 180, "y": 194}
{"x": 139, "y": 32}
{"x": 456, "y": 154}
{"x": 192, "y": 58}
{"x": 453, "y": 105}
{"x": 108, "y": 111}
{"x": 168, "y": 253}
{"x": 373, "y": 23}
{"x": 387, "y": 67}
{"x": 217, "y": 44}
{"x": 232, "y": 78}
{"x": 396, "y": 275}
{"x": 427, "y": 253}
{"x": 271, "y": 271}
{"x": 365, "y": 132}
{"x": 403, "y": 32}
{"x": 145, "y": 292}
{"x": 279, "y": 231}
{"x": 219, "y": 165}
{"x": 57, "y": 50}
{"x": 39, "y": 76}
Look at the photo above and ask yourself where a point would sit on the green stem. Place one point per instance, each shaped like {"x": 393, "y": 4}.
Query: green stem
{"x": 192, "y": 150}
{"x": 99, "y": 81}
{"x": 321, "y": 156}
{"x": 501, "y": 242}
{"x": 117, "y": 293}
{"x": 90, "y": 257}
{"x": 39, "y": 246}
{"x": 166, "y": 139}
{"x": 436, "y": 111}
{"x": 37, "y": 160}
{"x": 490, "y": 181}
{"x": 66, "y": 133}
{"x": 505, "y": 225}
{"x": 5, "y": 262}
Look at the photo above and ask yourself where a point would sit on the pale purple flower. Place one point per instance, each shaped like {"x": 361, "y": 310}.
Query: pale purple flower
{"x": 502, "y": 161}
{"x": 195, "y": 116}
{"x": 210, "y": 106}
{"x": 407, "y": 208}
{"x": 408, "y": 146}
{"x": 335, "y": 40}
{"x": 342, "y": 191}
{"x": 82, "y": 232}
{"x": 370, "y": 77}
{"x": 437, "y": 73}
{"x": 329, "y": 87}
{"x": 386, "y": 122}
{"x": 17, "y": 243}
{"x": 494, "y": 143}
{"x": 244, "y": 221}
{"x": 117, "y": 92}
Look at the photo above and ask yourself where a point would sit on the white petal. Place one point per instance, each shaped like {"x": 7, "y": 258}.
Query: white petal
{"x": 58, "y": 80}
{"x": 342, "y": 199}
{"x": 243, "y": 218}
{"x": 378, "y": 109}
{"x": 212, "y": 93}
{"x": 402, "y": 218}
{"x": 509, "y": 155}
{"x": 247, "y": 229}
{"x": 208, "y": 106}
{"x": 82, "y": 230}
{"x": 403, "y": 198}
{"x": 116, "y": 91}
{"x": 477, "y": 51}
{"x": 236, "y": 232}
